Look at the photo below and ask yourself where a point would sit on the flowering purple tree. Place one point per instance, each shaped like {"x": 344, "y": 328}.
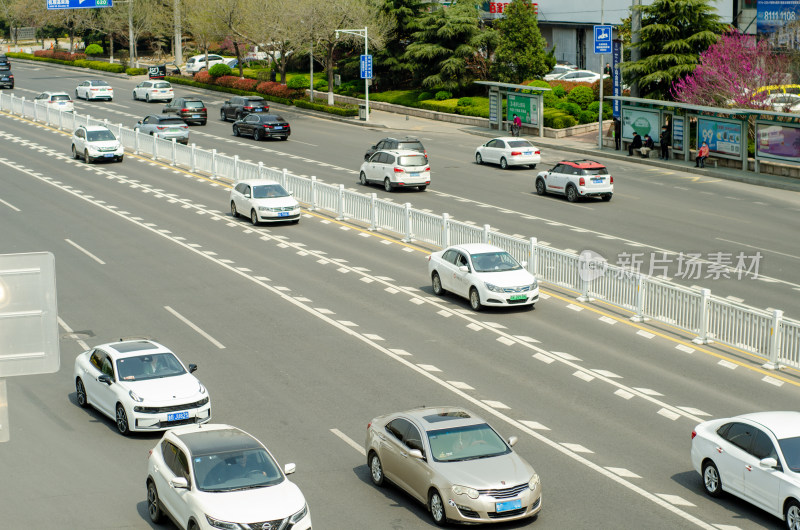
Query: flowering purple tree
{"x": 731, "y": 71}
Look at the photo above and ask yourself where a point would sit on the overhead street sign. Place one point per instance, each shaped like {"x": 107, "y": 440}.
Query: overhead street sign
{"x": 366, "y": 67}
{"x": 602, "y": 39}
{"x": 78, "y": 4}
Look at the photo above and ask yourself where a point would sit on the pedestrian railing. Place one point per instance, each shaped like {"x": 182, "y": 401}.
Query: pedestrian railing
{"x": 770, "y": 336}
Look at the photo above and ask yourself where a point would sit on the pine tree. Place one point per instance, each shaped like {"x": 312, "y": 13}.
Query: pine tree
{"x": 521, "y": 53}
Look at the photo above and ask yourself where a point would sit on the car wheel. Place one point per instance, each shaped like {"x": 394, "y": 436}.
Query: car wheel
{"x": 606, "y": 197}
{"x": 234, "y": 213}
{"x": 254, "y": 217}
{"x": 422, "y": 188}
{"x": 503, "y": 163}
{"x": 203, "y": 122}
{"x": 387, "y": 184}
{"x": 572, "y": 193}
{"x": 257, "y": 135}
{"x": 436, "y": 506}
{"x": 120, "y": 158}
{"x": 86, "y": 157}
{"x": 153, "y": 508}
{"x": 375, "y": 469}
{"x": 222, "y": 115}
{"x": 533, "y": 166}
{"x": 74, "y": 152}
{"x": 478, "y": 158}
{"x": 362, "y": 178}
{"x": 122, "y": 420}
{"x": 792, "y": 515}
{"x": 80, "y": 393}
{"x": 541, "y": 189}
{"x": 436, "y": 282}
{"x": 284, "y": 138}
{"x": 134, "y": 96}
{"x": 235, "y": 130}
{"x": 475, "y": 299}
{"x": 147, "y": 97}
{"x": 711, "y": 481}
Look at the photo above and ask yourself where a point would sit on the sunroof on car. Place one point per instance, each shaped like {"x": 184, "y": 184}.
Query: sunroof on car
{"x": 446, "y": 416}
{"x": 126, "y": 347}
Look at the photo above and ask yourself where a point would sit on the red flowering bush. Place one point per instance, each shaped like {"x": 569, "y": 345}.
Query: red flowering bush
{"x": 276, "y": 89}
{"x": 63, "y": 56}
{"x": 204, "y": 77}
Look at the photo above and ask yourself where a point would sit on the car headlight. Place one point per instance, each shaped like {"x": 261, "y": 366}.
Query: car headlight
{"x": 299, "y": 515}
{"x": 493, "y": 288}
{"x": 202, "y": 388}
{"x": 135, "y": 397}
{"x": 534, "y": 482}
{"x": 534, "y": 285}
{"x": 216, "y": 523}
{"x": 472, "y": 493}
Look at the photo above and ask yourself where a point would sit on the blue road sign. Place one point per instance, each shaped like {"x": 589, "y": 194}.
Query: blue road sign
{"x": 366, "y": 67}
{"x": 602, "y": 39}
{"x": 78, "y": 4}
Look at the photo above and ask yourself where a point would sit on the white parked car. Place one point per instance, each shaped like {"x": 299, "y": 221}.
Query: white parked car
{"x": 95, "y": 142}
{"x": 557, "y": 72}
{"x": 198, "y": 62}
{"x": 56, "y": 100}
{"x": 484, "y": 274}
{"x": 396, "y": 168}
{"x": 217, "y": 476}
{"x": 581, "y": 76}
{"x": 509, "y": 151}
{"x": 784, "y": 102}
{"x": 94, "y": 89}
{"x": 263, "y": 200}
{"x": 141, "y": 385}
{"x": 153, "y": 91}
{"x": 755, "y": 457}
{"x": 576, "y": 179}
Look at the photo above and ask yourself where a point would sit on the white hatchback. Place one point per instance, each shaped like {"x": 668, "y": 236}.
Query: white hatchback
{"x": 140, "y": 384}
{"x": 509, "y": 151}
{"x": 56, "y": 100}
{"x": 397, "y": 168}
{"x": 95, "y": 142}
{"x": 263, "y": 200}
{"x": 484, "y": 274}
{"x": 755, "y": 457}
{"x": 153, "y": 90}
{"x": 217, "y": 476}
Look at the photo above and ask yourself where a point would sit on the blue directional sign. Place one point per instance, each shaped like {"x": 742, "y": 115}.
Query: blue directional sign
{"x": 366, "y": 67}
{"x": 602, "y": 39}
{"x": 78, "y": 4}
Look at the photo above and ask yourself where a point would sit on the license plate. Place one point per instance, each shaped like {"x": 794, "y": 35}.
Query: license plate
{"x": 257, "y": 110}
{"x": 597, "y": 180}
{"x": 108, "y": 155}
{"x": 61, "y": 103}
{"x": 175, "y": 130}
{"x": 517, "y": 297}
{"x": 414, "y": 174}
{"x": 528, "y": 153}
{"x": 283, "y": 214}
{"x": 178, "y": 416}
{"x": 278, "y": 127}
{"x": 195, "y": 115}
{"x": 508, "y": 505}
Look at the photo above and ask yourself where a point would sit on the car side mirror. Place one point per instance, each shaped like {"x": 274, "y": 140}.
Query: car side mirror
{"x": 139, "y": 122}
{"x": 416, "y": 453}
{"x": 179, "y": 483}
{"x": 105, "y": 378}
{"x": 769, "y": 463}
{"x": 288, "y": 469}
{"x": 374, "y": 147}
{"x": 246, "y": 195}
{"x": 192, "y": 368}
{"x": 512, "y": 441}
{"x": 463, "y": 268}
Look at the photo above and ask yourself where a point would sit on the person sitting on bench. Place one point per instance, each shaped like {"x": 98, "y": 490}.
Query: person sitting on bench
{"x": 702, "y": 154}
{"x": 636, "y": 143}
{"x": 648, "y": 146}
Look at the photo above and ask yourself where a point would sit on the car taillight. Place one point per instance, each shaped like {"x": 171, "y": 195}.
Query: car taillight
{"x": 516, "y": 153}
{"x": 160, "y": 127}
{"x": 694, "y": 433}
{"x": 582, "y": 182}
{"x": 268, "y": 126}
{"x": 427, "y": 168}
{"x": 203, "y": 109}
{"x": 399, "y": 170}
{"x": 612, "y": 180}
{"x": 369, "y": 425}
{"x": 186, "y": 110}
{"x": 537, "y": 152}
{"x": 247, "y": 108}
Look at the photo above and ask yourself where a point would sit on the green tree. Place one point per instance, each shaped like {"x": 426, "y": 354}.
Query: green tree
{"x": 674, "y": 34}
{"x": 390, "y": 66}
{"x": 521, "y": 53}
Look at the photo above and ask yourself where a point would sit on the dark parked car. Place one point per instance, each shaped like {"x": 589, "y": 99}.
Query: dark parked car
{"x": 190, "y": 110}
{"x": 262, "y": 126}
{"x": 238, "y": 107}
{"x": 407, "y": 143}
{"x": 5, "y": 64}
{"x": 7, "y": 79}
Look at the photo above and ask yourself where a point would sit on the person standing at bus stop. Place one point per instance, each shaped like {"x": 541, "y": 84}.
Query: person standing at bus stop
{"x": 515, "y": 128}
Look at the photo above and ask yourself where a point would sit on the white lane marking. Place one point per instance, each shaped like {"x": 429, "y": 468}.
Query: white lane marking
{"x": 624, "y": 394}
{"x": 10, "y": 206}
{"x": 574, "y": 307}
{"x": 195, "y": 327}
{"x": 674, "y": 499}
{"x": 696, "y": 412}
{"x": 525, "y": 338}
{"x": 349, "y": 441}
{"x": 728, "y": 364}
{"x": 606, "y": 373}
{"x": 564, "y": 355}
{"x": 544, "y": 358}
{"x": 648, "y": 391}
{"x": 772, "y": 380}
{"x": 578, "y": 448}
{"x": 669, "y": 414}
{"x": 506, "y": 341}
{"x": 758, "y": 248}
{"x": 320, "y": 310}
{"x": 622, "y": 472}
{"x": 684, "y": 348}
{"x": 475, "y": 327}
{"x": 583, "y": 375}
{"x": 429, "y": 367}
{"x": 445, "y": 313}
{"x": 69, "y": 330}
{"x": 608, "y": 320}
{"x": 400, "y": 352}
{"x": 535, "y": 425}
{"x": 645, "y": 334}
{"x": 460, "y": 385}
{"x": 98, "y": 260}
{"x": 496, "y": 404}
{"x": 369, "y": 335}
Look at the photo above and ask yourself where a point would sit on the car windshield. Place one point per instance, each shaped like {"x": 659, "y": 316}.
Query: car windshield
{"x": 162, "y": 85}
{"x": 269, "y": 191}
{"x": 495, "y": 262}
{"x": 466, "y": 443}
{"x": 59, "y": 97}
{"x": 150, "y": 366}
{"x": 790, "y": 447}
{"x": 172, "y": 121}
{"x": 412, "y": 146}
{"x": 235, "y": 470}
{"x": 412, "y": 160}
{"x": 193, "y": 104}
{"x": 99, "y": 82}
{"x": 519, "y": 143}
{"x": 254, "y": 102}
{"x": 595, "y": 171}
{"x": 100, "y": 136}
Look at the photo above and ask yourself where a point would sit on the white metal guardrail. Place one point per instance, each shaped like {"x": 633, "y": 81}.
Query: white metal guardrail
{"x": 770, "y": 336}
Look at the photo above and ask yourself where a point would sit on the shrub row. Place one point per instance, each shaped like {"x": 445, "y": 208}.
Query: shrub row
{"x": 136, "y": 71}
{"x": 348, "y": 110}
{"x": 101, "y": 65}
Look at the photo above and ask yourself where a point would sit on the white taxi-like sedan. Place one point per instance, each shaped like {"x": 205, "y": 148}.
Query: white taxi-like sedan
{"x": 141, "y": 385}
{"x": 153, "y": 91}
{"x": 484, "y": 274}
{"x": 94, "y": 89}
{"x": 263, "y": 200}
{"x": 509, "y": 151}
{"x": 755, "y": 457}
{"x": 217, "y": 476}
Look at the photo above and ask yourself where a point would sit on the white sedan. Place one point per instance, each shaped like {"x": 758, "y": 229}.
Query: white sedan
{"x": 509, "y": 151}
{"x": 263, "y": 200}
{"x": 94, "y": 89}
{"x": 153, "y": 90}
{"x": 141, "y": 385}
{"x": 755, "y": 457}
{"x": 484, "y": 274}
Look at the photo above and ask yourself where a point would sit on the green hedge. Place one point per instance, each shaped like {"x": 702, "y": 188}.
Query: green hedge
{"x": 81, "y": 63}
{"x": 341, "y": 111}
{"x": 136, "y": 71}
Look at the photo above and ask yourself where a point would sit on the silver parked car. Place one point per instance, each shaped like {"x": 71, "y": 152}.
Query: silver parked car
{"x": 166, "y": 127}
{"x": 455, "y": 463}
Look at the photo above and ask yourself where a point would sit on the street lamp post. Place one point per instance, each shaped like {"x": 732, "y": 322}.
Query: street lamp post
{"x": 360, "y": 32}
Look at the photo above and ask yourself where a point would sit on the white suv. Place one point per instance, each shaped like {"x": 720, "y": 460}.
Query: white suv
{"x": 198, "y": 62}
{"x": 57, "y": 100}
{"x": 217, "y": 476}
{"x": 95, "y": 142}
{"x": 576, "y": 179}
{"x": 396, "y": 168}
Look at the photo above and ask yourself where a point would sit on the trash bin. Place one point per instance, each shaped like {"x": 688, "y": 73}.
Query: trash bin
{"x": 362, "y": 112}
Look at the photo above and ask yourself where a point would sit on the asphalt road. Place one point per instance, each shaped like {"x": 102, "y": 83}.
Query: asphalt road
{"x": 305, "y": 332}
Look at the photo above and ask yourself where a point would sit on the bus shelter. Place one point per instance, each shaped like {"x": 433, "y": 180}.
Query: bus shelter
{"x": 523, "y": 100}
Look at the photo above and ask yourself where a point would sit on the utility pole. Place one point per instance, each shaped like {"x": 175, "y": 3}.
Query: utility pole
{"x": 176, "y": 13}
{"x": 360, "y": 32}
{"x": 636, "y": 28}
{"x": 131, "y": 43}
{"x": 600, "y": 119}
